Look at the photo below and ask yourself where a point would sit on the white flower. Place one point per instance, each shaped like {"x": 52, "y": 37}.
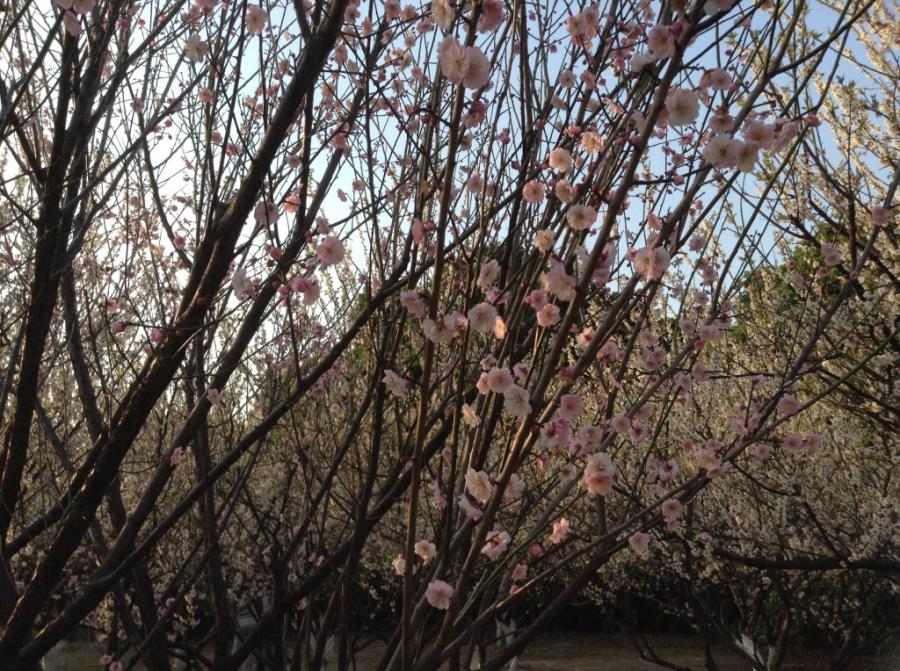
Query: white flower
{"x": 478, "y": 484}
{"x": 683, "y": 107}
{"x": 443, "y": 13}
{"x": 426, "y": 550}
{"x": 470, "y": 511}
{"x": 240, "y": 284}
{"x": 256, "y": 19}
{"x": 195, "y": 48}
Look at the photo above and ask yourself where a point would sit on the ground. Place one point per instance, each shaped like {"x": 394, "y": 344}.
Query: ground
{"x": 559, "y": 651}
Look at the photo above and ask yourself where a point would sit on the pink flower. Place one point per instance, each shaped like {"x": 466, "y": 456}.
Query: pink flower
{"x": 463, "y": 65}
{"x": 788, "y": 404}
{"x": 482, "y": 317}
{"x": 391, "y": 10}
{"x": 591, "y": 142}
{"x": 759, "y": 133}
{"x": 672, "y": 509}
{"x": 72, "y": 24}
{"x": 438, "y": 594}
{"x": 651, "y": 262}
{"x": 266, "y": 212}
{"x": 256, "y": 19}
{"x": 482, "y": 384}
{"x": 812, "y": 442}
{"x": 330, "y": 251}
{"x": 570, "y": 407}
{"x": 638, "y": 431}
{"x": 560, "y": 530}
{"x": 309, "y": 287}
{"x": 792, "y": 444}
{"x": 515, "y": 488}
{"x": 533, "y": 191}
{"x": 699, "y": 372}
{"x": 176, "y": 456}
{"x": 746, "y": 155}
{"x": 520, "y": 572}
{"x": 479, "y": 71}
{"x": 488, "y": 274}
{"x": 499, "y": 380}
{"x": 717, "y": 79}
{"x": 214, "y": 396}
{"x": 661, "y": 41}
{"x": 442, "y": 330}
{"x": 412, "y": 302}
{"x": 560, "y": 160}
{"x": 564, "y": 191}
{"x": 639, "y": 542}
{"x": 537, "y": 299}
{"x": 516, "y": 401}
{"x": 599, "y": 474}
{"x": 117, "y": 327}
{"x": 581, "y": 217}
{"x": 761, "y": 452}
{"x": 722, "y": 151}
{"x": 497, "y": 542}
{"x": 543, "y": 240}
{"x": 548, "y": 316}
{"x": 620, "y": 424}
{"x": 492, "y": 15}
{"x": 830, "y": 254}
{"x": 195, "y": 48}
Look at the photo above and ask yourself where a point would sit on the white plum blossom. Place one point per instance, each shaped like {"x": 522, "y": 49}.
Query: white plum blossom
{"x": 683, "y": 107}
{"x": 478, "y": 484}
{"x": 396, "y": 385}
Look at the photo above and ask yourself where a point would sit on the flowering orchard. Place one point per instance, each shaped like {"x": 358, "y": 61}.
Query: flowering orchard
{"x": 418, "y": 321}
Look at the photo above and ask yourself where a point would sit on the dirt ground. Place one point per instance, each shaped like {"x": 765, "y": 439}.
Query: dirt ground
{"x": 562, "y": 651}
{"x": 594, "y": 652}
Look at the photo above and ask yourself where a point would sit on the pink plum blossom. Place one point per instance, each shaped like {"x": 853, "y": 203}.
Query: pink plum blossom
{"x": 438, "y": 594}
